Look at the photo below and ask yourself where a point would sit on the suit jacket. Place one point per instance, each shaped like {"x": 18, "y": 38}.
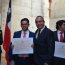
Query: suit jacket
{"x": 44, "y": 47}
{"x": 1, "y": 40}
{"x": 56, "y": 39}
{"x": 18, "y": 35}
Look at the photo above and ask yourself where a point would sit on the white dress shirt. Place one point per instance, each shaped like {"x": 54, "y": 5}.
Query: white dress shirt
{"x": 58, "y": 33}
{"x": 27, "y": 34}
{"x": 22, "y": 36}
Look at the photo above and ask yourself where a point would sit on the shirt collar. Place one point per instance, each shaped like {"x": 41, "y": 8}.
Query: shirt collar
{"x": 25, "y": 31}
{"x": 59, "y": 32}
{"x": 42, "y": 29}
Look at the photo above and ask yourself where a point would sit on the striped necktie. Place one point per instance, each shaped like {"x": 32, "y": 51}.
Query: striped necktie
{"x": 39, "y": 33}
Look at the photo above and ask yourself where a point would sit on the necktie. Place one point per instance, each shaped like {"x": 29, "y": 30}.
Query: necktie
{"x": 24, "y": 36}
{"x": 61, "y": 37}
{"x": 39, "y": 33}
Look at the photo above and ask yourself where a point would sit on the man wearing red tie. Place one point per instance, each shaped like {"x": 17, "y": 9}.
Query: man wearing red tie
{"x": 60, "y": 37}
{"x": 25, "y": 33}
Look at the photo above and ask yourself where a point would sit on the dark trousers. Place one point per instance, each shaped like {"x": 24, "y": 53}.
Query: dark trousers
{"x": 58, "y": 61}
{"x": 0, "y": 57}
{"x": 42, "y": 64}
{"x": 0, "y": 53}
{"x": 23, "y": 61}
{"x": 35, "y": 63}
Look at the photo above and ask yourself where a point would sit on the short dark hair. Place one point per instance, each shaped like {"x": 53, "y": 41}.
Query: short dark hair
{"x": 25, "y": 19}
{"x": 40, "y": 17}
{"x": 59, "y": 23}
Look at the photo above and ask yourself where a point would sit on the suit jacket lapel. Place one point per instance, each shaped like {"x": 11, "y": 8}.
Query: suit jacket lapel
{"x": 19, "y": 34}
{"x": 42, "y": 32}
{"x": 30, "y": 34}
{"x": 64, "y": 36}
{"x": 56, "y": 36}
{"x": 36, "y": 34}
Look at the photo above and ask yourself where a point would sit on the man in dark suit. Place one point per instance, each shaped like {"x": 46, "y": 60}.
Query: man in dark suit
{"x": 23, "y": 59}
{"x": 43, "y": 43}
{"x": 1, "y": 41}
{"x": 60, "y": 26}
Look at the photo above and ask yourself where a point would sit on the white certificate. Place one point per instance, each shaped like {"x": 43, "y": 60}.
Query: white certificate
{"x": 22, "y": 46}
{"x": 59, "y": 49}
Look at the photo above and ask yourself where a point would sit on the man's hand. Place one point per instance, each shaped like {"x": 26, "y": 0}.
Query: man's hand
{"x": 46, "y": 64}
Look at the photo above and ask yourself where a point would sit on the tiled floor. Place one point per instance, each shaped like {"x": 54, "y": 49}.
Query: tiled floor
{"x": 3, "y": 61}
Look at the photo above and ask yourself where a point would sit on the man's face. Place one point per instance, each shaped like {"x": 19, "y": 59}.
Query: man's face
{"x": 62, "y": 27}
{"x": 39, "y": 22}
{"x": 24, "y": 25}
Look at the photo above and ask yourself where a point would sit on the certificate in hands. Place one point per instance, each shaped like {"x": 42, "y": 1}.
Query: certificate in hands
{"x": 59, "y": 49}
{"x": 22, "y": 46}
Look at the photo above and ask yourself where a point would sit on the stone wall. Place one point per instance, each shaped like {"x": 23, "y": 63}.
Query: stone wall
{"x": 0, "y": 13}
{"x": 25, "y": 8}
{"x": 57, "y": 12}
{"x": 31, "y": 9}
